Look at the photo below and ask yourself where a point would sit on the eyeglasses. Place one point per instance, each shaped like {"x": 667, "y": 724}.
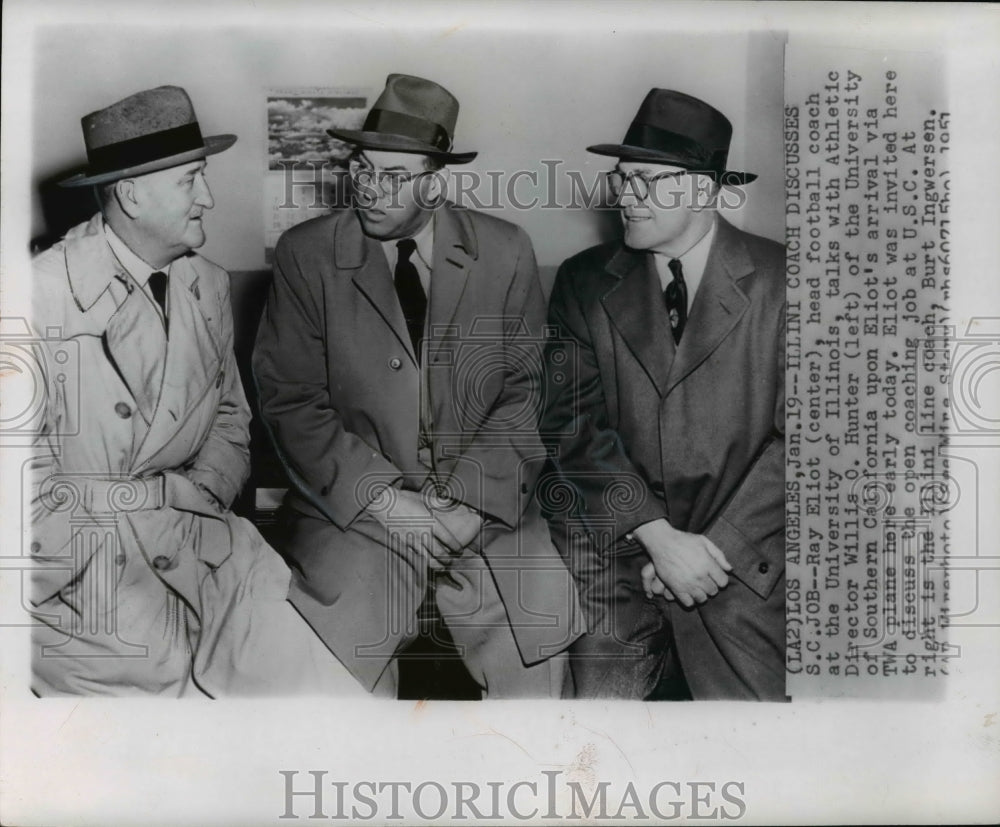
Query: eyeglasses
{"x": 390, "y": 182}
{"x": 637, "y": 183}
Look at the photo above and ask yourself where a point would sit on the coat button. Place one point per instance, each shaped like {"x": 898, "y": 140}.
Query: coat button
{"x": 123, "y": 410}
{"x": 763, "y": 568}
{"x": 395, "y": 363}
{"x": 120, "y": 559}
{"x": 162, "y": 563}
{"x": 524, "y": 488}
{"x": 36, "y": 547}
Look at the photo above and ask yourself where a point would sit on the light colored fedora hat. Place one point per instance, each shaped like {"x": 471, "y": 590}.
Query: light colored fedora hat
{"x": 148, "y": 131}
{"x": 411, "y": 115}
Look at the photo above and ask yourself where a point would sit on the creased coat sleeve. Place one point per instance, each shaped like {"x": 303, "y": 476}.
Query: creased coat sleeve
{"x": 506, "y": 453}
{"x": 325, "y": 461}
{"x": 587, "y": 453}
{"x": 750, "y": 529}
{"x": 222, "y": 464}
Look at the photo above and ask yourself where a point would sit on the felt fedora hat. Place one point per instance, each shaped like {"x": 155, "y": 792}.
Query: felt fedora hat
{"x": 148, "y": 131}
{"x": 677, "y": 129}
{"x": 411, "y": 115}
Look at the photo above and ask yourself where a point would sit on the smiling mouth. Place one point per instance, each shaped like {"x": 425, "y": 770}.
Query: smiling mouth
{"x": 633, "y": 218}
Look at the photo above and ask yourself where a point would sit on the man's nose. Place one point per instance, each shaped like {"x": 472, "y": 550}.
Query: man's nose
{"x": 385, "y": 197}
{"x": 628, "y": 198}
{"x": 204, "y": 198}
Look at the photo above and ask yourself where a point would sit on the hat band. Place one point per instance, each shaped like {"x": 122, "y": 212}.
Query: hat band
{"x": 408, "y": 126}
{"x": 145, "y": 148}
{"x": 684, "y": 150}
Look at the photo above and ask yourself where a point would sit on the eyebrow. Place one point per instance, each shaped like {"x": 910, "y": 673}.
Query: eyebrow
{"x": 397, "y": 168}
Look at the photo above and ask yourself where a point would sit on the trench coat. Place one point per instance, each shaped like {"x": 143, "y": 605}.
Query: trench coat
{"x": 143, "y": 581}
{"x": 642, "y": 429}
{"x": 340, "y": 392}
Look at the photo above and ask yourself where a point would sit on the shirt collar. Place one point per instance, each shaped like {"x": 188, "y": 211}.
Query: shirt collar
{"x": 136, "y": 267}
{"x": 693, "y": 262}
{"x": 695, "y": 259}
{"x": 424, "y": 240}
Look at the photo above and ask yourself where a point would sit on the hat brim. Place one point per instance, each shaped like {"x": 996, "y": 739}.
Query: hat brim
{"x": 625, "y": 152}
{"x": 398, "y": 143}
{"x": 213, "y": 145}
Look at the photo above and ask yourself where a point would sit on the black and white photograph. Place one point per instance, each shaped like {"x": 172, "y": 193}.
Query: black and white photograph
{"x": 297, "y": 125}
{"x": 306, "y": 166}
{"x": 498, "y": 413}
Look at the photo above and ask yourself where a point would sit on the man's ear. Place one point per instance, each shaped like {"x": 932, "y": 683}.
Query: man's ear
{"x": 126, "y": 196}
{"x": 705, "y": 194}
{"x": 436, "y": 185}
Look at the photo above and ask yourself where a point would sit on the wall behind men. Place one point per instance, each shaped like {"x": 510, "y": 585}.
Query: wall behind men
{"x": 525, "y": 97}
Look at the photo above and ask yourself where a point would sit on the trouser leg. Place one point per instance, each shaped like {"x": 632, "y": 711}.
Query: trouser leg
{"x": 629, "y": 652}
{"x": 473, "y": 610}
{"x": 359, "y": 595}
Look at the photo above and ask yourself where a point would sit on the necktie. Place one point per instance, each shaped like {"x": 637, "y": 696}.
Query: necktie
{"x": 676, "y": 299}
{"x": 413, "y": 300}
{"x": 411, "y": 294}
{"x": 158, "y": 287}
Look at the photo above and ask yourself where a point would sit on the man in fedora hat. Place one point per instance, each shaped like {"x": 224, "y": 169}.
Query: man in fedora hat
{"x": 144, "y": 582}
{"x": 665, "y": 415}
{"x": 398, "y": 364}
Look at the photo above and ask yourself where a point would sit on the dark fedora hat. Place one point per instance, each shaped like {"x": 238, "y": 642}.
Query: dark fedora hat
{"x": 677, "y": 129}
{"x": 411, "y": 115}
{"x": 145, "y": 132}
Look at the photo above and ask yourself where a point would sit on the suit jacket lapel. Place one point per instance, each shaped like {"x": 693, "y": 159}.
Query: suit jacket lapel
{"x": 137, "y": 344}
{"x": 635, "y": 306}
{"x": 118, "y": 311}
{"x": 718, "y": 305}
{"x": 193, "y": 359}
{"x": 456, "y": 251}
{"x": 353, "y": 250}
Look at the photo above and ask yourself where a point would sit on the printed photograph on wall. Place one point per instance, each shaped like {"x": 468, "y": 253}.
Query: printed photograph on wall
{"x": 305, "y": 165}
{"x": 297, "y": 124}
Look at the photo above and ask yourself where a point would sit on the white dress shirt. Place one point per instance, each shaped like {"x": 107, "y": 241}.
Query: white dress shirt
{"x": 138, "y": 269}
{"x": 424, "y": 258}
{"x": 692, "y": 264}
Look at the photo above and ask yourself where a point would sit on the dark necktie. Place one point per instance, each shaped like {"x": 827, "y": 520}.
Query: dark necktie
{"x": 676, "y": 298}
{"x": 413, "y": 300}
{"x": 158, "y": 287}
{"x": 411, "y": 294}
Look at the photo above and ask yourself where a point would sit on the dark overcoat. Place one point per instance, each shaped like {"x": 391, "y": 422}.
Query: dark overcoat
{"x": 644, "y": 429}
{"x": 340, "y": 392}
